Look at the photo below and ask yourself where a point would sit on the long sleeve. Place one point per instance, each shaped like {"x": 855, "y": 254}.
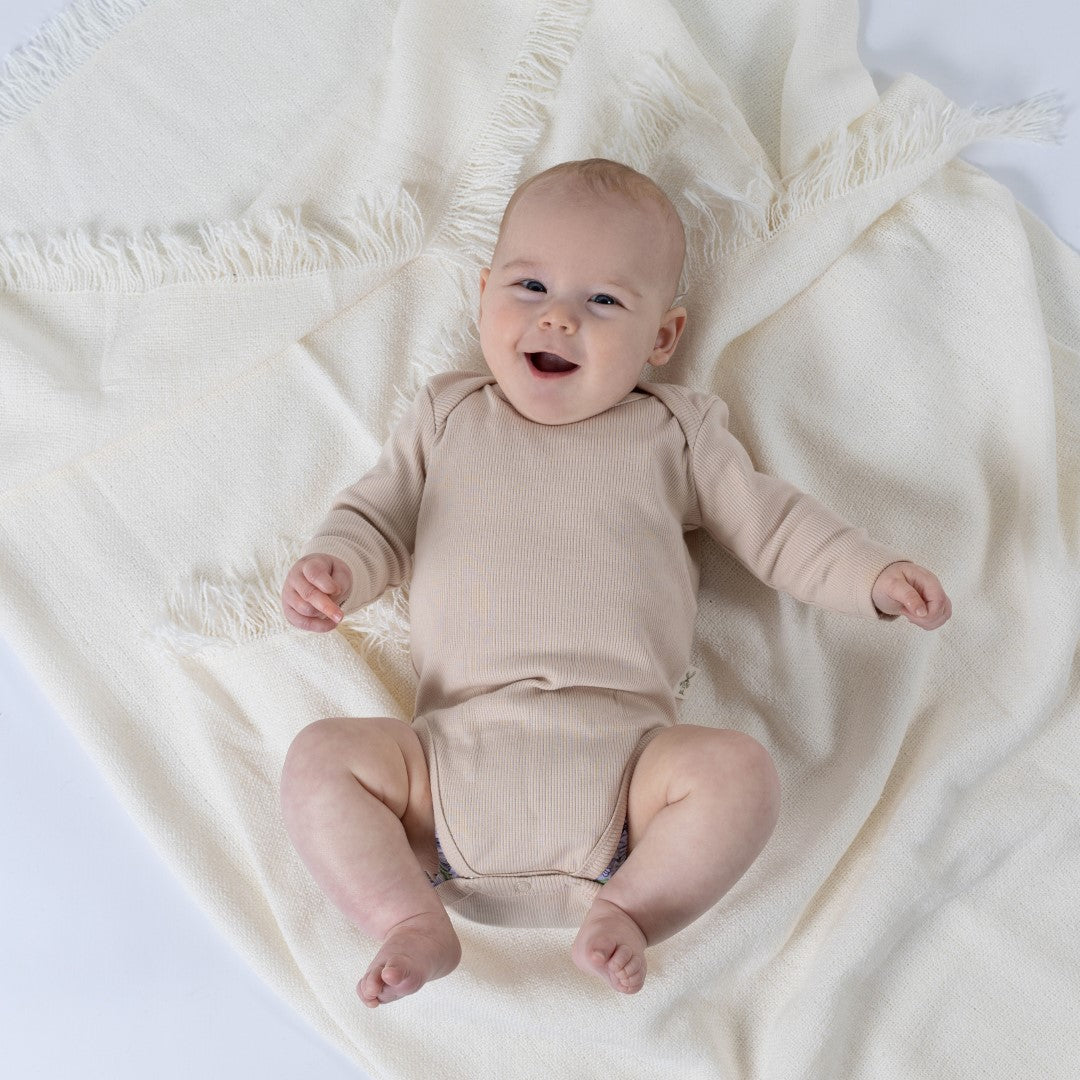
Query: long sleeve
{"x": 372, "y": 525}
{"x": 783, "y": 536}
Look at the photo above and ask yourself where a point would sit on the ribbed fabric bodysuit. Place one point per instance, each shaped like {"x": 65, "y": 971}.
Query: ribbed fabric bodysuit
{"x": 553, "y": 575}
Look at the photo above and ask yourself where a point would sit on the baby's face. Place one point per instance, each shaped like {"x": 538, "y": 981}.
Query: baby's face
{"x": 589, "y": 279}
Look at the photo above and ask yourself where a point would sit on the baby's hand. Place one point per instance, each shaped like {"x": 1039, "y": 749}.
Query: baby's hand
{"x": 904, "y": 588}
{"x": 307, "y": 597}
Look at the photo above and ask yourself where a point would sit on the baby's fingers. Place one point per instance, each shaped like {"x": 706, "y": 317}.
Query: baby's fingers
{"x": 911, "y": 600}
{"x": 322, "y": 605}
{"x": 316, "y": 573}
{"x": 302, "y": 615}
{"x": 309, "y": 607}
{"x": 317, "y": 588}
{"x": 302, "y": 607}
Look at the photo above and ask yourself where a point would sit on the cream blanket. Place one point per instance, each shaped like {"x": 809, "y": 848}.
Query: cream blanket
{"x": 234, "y": 241}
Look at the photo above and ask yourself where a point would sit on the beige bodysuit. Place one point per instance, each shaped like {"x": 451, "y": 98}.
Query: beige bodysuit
{"x": 553, "y": 577}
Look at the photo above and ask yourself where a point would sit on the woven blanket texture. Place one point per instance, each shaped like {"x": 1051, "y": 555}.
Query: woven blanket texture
{"x": 236, "y": 239}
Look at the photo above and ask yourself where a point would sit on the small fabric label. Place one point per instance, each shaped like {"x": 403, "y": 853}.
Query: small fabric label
{"x": 680, "y": 691}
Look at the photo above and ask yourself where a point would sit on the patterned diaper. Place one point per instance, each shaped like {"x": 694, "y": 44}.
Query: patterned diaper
{"x": 446, "y": 871}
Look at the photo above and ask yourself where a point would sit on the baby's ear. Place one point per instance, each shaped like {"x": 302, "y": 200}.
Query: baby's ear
{"x": 484, "y": 274}
{"x": 668, "y": 336}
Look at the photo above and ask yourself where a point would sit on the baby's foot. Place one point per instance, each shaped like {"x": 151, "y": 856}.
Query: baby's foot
{"x": 416, "y": 950}
{"x": 610, "y": 945}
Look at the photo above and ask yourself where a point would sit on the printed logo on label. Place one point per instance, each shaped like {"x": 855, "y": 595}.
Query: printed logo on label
{"x": 681, "y": 691}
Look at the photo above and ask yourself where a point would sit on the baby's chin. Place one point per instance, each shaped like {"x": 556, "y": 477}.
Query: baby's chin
{"x": 569, "y": 404}
{"x": 550, "y": 417}
{"x": 558, "y": 413}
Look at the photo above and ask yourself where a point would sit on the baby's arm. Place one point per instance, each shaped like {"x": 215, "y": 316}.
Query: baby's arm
{"x": 367, "y": 539}
{"x": 783, "y": 536}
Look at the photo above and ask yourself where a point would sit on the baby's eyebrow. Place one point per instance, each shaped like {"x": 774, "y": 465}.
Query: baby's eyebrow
{"x": 526, "y": 264}
{"x": 519, "y": 264}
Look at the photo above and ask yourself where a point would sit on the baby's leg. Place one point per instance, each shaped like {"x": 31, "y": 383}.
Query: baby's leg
{"x": 357, "y": 806}
{"x": 702, "y": 804}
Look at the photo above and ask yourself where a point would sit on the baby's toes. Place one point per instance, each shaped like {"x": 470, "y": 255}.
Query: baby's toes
{"x": 386, "y": 981}
{"x": 627, "y": 970}
{"x": 398, "y": 979}
{"x": 369, "y": 988}
{"x": 401, "y": 975}
{"x": 602, "y": 951}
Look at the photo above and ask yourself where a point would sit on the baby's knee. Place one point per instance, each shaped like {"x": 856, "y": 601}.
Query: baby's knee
{"x": 735, "y": 760}
{"x": 371, "y": 749}
{"x": 318, "y": 740}
{"x": 762, "y": 779}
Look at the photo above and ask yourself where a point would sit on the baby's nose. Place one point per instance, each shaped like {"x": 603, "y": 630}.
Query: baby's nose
{"x": 558, "y": 315}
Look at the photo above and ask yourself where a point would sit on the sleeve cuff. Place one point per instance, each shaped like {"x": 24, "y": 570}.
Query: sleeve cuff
{"x": 874, "y": 558}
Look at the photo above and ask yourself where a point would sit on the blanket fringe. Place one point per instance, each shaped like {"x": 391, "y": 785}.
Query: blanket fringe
{"x": 241, "y": 606}
{"x": 914, "y": 124}
{"x": 452, "y": 344}
{"x": 659, "y": 101}
{"x": 60, "y": 46}
{"x": 384, "y": 230}
{"x": 470, "y": 225}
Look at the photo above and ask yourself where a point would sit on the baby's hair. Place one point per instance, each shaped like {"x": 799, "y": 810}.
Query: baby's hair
{"x": 601, "y": 176}
{"x": 604, "y": 177}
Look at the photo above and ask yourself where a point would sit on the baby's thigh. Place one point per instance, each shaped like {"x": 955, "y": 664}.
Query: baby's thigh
{"x": 384, "y": 754}
{"x": 687, "y": 757}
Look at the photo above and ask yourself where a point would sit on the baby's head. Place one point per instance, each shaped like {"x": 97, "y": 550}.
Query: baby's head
{"x": 585, "y": 272}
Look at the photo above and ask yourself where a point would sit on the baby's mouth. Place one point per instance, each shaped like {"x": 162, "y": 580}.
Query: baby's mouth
{"x": 550, "y": 362}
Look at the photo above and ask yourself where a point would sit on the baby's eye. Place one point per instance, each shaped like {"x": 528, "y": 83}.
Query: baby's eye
{"x": 528, "y": 283}
{"x": 603, "y": 298}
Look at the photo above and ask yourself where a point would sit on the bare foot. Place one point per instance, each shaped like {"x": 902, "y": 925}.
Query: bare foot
{"x": 610, "y": 945}
{"x": 416, "y": 950}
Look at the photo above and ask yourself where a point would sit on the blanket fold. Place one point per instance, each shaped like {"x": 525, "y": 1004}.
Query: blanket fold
{"x": 236, "y": 241}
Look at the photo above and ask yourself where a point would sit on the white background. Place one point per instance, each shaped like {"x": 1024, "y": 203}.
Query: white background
{"x": 108, "y": 970}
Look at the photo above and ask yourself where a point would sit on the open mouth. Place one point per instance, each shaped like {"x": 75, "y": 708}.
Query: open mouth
{"x": 550, "y": 364}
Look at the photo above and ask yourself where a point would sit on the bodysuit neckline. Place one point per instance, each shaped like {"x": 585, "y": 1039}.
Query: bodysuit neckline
{"x": 634, "y": 395}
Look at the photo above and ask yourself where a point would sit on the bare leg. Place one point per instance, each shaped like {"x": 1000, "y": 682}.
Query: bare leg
{"x": 703, "y": 803}
{"x": 350, "y": 790}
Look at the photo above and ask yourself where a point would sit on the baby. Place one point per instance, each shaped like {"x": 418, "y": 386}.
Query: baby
{"x": 545, "y": 515}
